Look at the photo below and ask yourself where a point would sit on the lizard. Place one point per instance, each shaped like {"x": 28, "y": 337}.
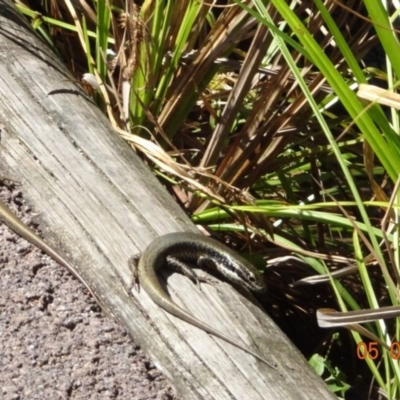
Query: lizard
{"x": 172, "y": 250}
{"x": 21, "y": 229}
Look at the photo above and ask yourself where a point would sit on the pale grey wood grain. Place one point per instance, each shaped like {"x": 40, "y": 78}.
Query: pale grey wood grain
{"x": 100, "y": 204}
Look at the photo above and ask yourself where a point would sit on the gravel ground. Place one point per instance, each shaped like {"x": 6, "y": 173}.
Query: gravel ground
{"x": 55, "y": 343}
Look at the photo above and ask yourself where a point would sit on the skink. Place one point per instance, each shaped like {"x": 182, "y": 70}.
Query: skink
{"x": 14, "y": 223}
{"x": 173, "y": 250}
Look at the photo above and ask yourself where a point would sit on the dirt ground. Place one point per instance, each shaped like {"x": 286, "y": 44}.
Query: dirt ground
{"x": 55, "y": 343}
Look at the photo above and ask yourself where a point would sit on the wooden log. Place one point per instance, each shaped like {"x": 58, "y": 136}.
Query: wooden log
{"x": 100, "y": 204}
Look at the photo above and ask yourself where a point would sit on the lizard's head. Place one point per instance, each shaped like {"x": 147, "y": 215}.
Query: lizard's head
{"x": 239, "y": 270}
